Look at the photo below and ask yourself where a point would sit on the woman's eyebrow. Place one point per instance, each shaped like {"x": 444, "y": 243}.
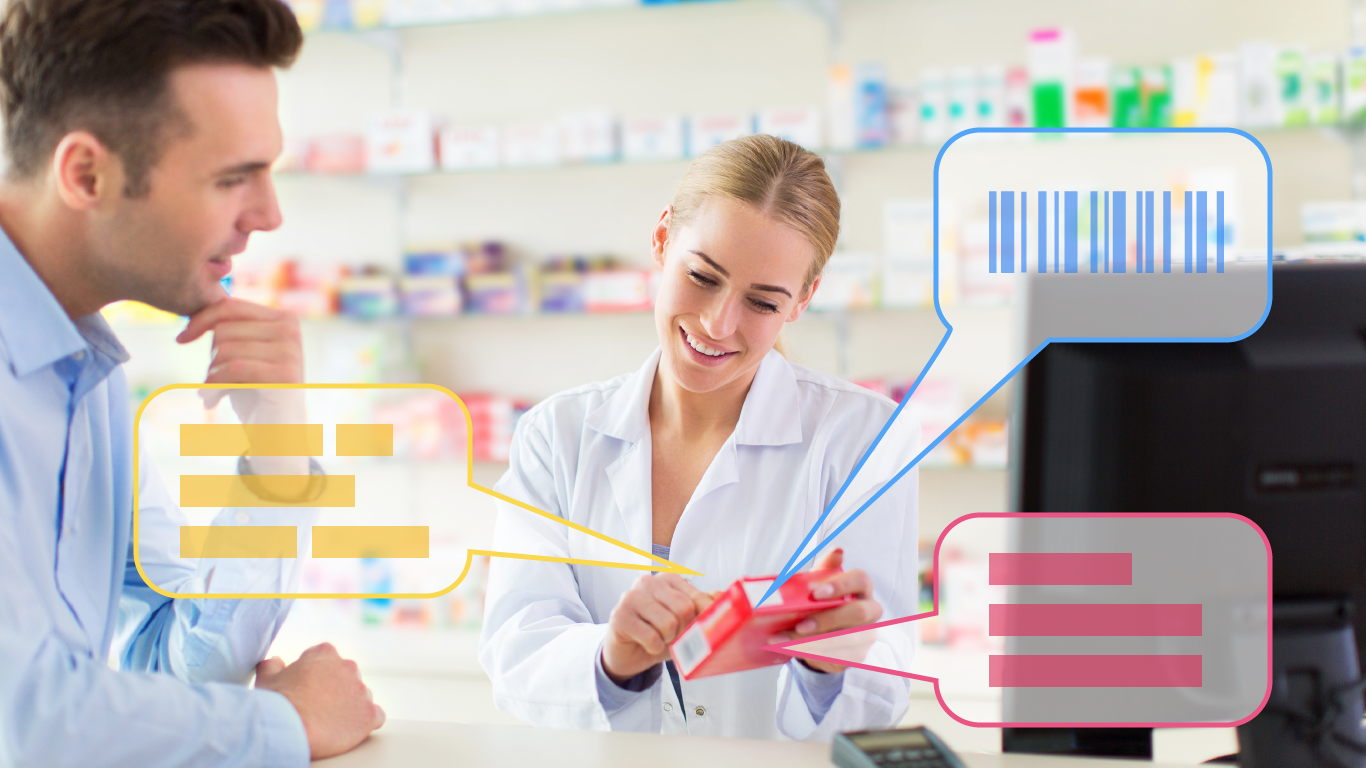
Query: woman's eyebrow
{"x": 708, "y": 259}
{"x": 773, "y": 288}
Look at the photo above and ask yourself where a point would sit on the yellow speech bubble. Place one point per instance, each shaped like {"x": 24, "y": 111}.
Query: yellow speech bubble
{"x": 331, "y": 491}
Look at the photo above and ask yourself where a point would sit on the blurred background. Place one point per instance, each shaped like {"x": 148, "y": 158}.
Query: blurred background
{"x": 469, "y": 188}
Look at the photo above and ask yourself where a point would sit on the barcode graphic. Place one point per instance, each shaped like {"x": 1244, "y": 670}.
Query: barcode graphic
{"x": 1062, "y": 228}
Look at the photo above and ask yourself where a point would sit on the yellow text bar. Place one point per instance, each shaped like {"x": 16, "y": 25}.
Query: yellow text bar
{"x": 251, "y": 439}
{"x": 365, "y": 439}
{"x": 371, "y": 541}
{"x": 267, "y": 491}
{"x": 239, "y": 541}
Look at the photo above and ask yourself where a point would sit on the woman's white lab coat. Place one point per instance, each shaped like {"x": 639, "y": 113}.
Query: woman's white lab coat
{"x": 585, "y": 455}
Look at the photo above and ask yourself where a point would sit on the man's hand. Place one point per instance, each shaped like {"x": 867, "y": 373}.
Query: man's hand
{"x": 863, "y": 609}
{"x": 328, "y": 694}
{"x": 652, "y": 614}
{"x": 253, "y": 344}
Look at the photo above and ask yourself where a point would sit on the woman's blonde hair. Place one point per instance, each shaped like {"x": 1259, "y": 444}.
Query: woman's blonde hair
{"x": 778, "y": 178}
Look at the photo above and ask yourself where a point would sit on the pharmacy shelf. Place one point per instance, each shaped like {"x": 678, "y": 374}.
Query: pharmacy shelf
{"x": 549, "y": 9}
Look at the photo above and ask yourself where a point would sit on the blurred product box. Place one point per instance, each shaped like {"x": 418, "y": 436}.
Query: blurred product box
{"x": 1258, "y": 100}
{"x": 1156, "y": 88}
{"x": 978, "y": 287}
{"x": 843, "y": 112}
{"x": 934, "y": 106}
{"x": 870, "y": 105}
{"x": 341, "y": 153}
{"x": 293, "y": 155}
{"x": 1333, "y": 221}
{"x": 991, "y": 96}
{"x": 1017, "y": 98}
{"x": 707, "y": 130}
{"x": 1091, "y": 97}
{"x": 1354, "y": 87}
{"x": 906, "y": 283}
{"x": 430, "y": 295}
{"x": 1292, "y": 95}
{"x": 1051, "y": 56}
{"x": 962, "y": 99}
{"x": 589, "y": 137}
{"x": 368, "y": 297}
{"x": 561, "y": 292}
{"x": 401, "y": 141}
{"x": 799, "y": 125}
{"x": 309, "y": 290}
{"x": 402, "y": 13}
{"x": 1323, "y": 81}
{"x": 1126, "y": 97}
{"x": 488, "y": 256}
{"x": 903, "y": 115}
{"x": 309, "y": 14}
{"x": 496, "y": 293}
{"x": 441, "y": 260}
{"x": 935, "y": 404}
{"x": 652, "y": 138}
{"x": 531, "y": 144}
{"x": 847, "y": 282}
{"x": 469, "y": 148}
{"x": 618, "y": 290}
{"x": 491, "y": 422}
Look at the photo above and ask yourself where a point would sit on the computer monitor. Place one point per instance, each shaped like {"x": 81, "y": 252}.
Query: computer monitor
{"x": 1273, "y": 428}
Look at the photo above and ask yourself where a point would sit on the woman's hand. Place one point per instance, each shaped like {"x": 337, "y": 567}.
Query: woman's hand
{"x": 863, "y": 609}
{"x": 652, "y": 613}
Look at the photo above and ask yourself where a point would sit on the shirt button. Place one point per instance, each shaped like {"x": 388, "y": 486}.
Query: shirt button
{"x": 243, "y": 516}
{"x": 700, "y": 711}
{"x": 668, "y": 707}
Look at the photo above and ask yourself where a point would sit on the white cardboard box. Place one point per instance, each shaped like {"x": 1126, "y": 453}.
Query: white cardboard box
{"x": 531, "y": 144}
{"x": 400, "y": 141}
{"x": 652, "y": 138}
{"x": 588, "y": 137}
{"x": 707, "y": 130}
{"x": 469, "y": 148}
{"x": 799, "y": 125}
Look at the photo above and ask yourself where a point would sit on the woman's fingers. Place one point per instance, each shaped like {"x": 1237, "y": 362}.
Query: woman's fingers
{"x": 856, "y": 583}
{"x": 639, "y": 631}
{"x": 852, "y": 614}
{"x": 832, "y": 559}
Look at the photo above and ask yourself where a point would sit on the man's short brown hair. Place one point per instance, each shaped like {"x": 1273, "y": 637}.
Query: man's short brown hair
{"x": 104, "y": 66}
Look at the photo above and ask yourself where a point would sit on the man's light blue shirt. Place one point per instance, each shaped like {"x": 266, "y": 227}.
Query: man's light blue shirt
{"x": 69, "y": 591}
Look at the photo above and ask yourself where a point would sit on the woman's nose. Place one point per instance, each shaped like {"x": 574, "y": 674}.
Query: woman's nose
{"x": 722, "y": 317}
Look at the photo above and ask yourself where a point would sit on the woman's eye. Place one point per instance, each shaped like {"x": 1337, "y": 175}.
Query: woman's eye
{"x": 764, "y": 306}
{"x": 700, "y": 278}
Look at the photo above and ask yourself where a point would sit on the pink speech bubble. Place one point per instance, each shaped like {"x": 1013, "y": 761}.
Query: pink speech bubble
{"x": 1099, "y": 637}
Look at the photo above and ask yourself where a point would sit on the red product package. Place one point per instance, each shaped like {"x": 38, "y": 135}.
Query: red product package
{"x": 728, "y": 635}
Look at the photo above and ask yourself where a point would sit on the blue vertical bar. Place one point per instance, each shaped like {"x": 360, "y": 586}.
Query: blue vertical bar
{"x": 1190, "y": 232}
{"x": 1148, "y": 219}
{"x": 1069, "y": 260}
{"x": 991, "y": 238}
{"x": 1007, "y": 231}
{"x": 1024, "y": 231}
{"x": 1095, "y": 252}
{"x": 1107, "y": 232}
{"x": 1167, "y": 232}
{"x": 1138, "y": 232}
{"x": 1057, "y": 235}
{"x": 1119, "y": 251}
{"x": 1201, "y": 233}
{"x": 1219, "y": 224}
{"x": 1043, "y": 233}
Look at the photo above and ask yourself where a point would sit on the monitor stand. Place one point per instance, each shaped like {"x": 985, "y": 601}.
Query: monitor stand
{"x": 1313, "y": 717}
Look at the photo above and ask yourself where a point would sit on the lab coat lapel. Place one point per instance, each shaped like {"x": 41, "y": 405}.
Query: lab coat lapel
{"x": 625, "y": 416}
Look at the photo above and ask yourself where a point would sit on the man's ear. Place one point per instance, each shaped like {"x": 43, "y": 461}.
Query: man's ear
{"x": 86, "y": 173}
{"x": 805, "y": 301}
{"x": 659, "y": 238}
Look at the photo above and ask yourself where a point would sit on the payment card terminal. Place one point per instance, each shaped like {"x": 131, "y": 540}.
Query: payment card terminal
{"x": 899, "y": 748}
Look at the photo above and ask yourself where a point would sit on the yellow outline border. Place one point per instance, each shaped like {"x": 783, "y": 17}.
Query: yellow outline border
{"x": 469, "y": 481}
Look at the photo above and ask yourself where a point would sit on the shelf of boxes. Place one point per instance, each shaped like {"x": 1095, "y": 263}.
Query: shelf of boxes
{"x": 359, "y": 16}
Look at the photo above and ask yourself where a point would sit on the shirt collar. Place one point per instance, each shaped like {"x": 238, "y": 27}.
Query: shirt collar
{"x": 771, "y": 414}
{"x": 34, "y": 328}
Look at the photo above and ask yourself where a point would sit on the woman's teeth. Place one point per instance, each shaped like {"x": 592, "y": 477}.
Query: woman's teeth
{"x": 703, "y": 348}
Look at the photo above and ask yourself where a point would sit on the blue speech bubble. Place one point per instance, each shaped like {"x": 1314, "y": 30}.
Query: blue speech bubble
{"x": 1206, "y": 288}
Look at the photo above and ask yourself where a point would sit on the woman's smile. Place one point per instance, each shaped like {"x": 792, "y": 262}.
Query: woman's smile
{"x": 703, "y": 353}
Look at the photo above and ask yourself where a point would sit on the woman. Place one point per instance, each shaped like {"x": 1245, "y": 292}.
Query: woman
{"x": 719, "y": 455}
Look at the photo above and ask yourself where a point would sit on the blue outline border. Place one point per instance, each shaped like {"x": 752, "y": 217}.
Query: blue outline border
{"x": 792, "y": 565}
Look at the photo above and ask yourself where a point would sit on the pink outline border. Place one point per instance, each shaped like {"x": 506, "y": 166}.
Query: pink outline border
{"x": 782, "y": 647}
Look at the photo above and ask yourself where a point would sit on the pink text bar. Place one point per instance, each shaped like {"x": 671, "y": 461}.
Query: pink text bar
{"x": 1087, "y": 671}
{"x": 1070, "y": 568}
{"x": 1095, "y": 620}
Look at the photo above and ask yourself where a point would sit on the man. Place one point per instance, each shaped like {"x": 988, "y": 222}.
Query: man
{"x": 140, "y": 135}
